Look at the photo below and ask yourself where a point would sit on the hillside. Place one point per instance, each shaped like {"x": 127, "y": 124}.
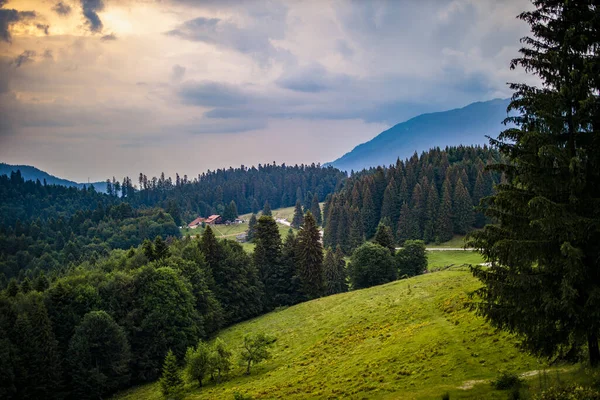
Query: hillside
{"x": 467, "y": 126}
{"x": 30, "y": 173}
{"x": 410, "y": 339}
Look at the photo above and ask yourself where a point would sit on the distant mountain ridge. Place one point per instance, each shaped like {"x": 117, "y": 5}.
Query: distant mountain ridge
{"x": 468, "y": 126}
{"x": 30, "y": 173}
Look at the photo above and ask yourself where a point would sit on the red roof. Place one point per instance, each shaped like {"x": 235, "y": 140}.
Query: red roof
{"x": 212, "y": 218}
{"x": 197, "y": 221}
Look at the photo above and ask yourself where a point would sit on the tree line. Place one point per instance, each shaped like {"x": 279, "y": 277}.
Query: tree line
{"x": 429, "y": 197}
{"x": 108, "y": 323}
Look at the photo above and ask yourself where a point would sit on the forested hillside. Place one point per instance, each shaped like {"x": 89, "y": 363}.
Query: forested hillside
{"x": 210, "y": 192}
{"x": 429, "y": 197}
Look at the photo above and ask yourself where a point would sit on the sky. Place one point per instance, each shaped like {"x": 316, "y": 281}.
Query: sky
{"x": 91, "y": 89}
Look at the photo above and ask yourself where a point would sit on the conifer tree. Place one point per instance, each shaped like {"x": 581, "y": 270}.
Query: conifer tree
{"x": 544, "y": 279}
{"x": 390, "y": 208}
{"x": 431, "y": 214}
{"x": 369, "y": 213}
{"x": 267, "y": 209}
{"x": 403, "y": 231}
{"x": 267, "y": 259}
{"x": 463, "y": 209}
{"x": 161, "y": 249}
{"x": 298, "y": 215}
{"x": 251, "y": 228}
{"x": 417, "y": 213}
{"x": 26, "y": 285}
{"x": 13, "y": 287}
{"x": 445, "y": 228}
{"x": 41, "y": 283}
{"x": 292, "y": 292}
{"x": 210, "y": 248}
{"x": 171, "y": 384}
{"x": 315, "y": 209}
{"x": 310, "y": 258}
{"x": 255, "y": 206}
{"x": 385, "y": 238}
{"x": 342, "y": 273}
{"x": 334, "y": 268}
{"x": 356, "y": 234}
{"x": 478, "y": 194}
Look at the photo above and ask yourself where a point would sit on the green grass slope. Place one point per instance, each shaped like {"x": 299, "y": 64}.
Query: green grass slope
{"x": 410, "y": 339}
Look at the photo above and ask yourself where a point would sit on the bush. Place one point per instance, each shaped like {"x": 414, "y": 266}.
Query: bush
{"x": 571, "y": 392}
{"x": 370, "y": 265}
{"x": 446, "y": 396}
{"x": 507, "y": 380}
{"x": 241, "y": 396}
{"x": 411, "y": 259}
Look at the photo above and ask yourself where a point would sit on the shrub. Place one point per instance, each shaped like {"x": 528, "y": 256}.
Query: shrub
{"x": 507, "y": 380}
{"x": 571, "y": 392}
{"x": 370, "y": 265}
{"x": 446, "y": 396}
{"x": 241, "y": 396}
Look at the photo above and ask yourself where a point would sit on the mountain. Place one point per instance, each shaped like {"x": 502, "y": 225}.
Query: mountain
{"x": 468, "y": 125}
{"x": 30, "y": 173}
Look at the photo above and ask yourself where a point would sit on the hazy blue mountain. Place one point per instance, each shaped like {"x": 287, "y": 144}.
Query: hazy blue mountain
{"x": 468, "y": 125}
{"x": 30, "y": 173}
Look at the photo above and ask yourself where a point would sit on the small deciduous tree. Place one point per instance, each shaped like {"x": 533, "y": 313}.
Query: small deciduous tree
{"x": 370, "y": 265}
{"x": 197, "y": 362}
{"x": 220, "y": 360}
{"x": 255, "y": 349}
{"x": 411, "y": 259}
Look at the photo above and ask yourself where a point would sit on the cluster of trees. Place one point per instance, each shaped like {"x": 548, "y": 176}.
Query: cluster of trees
{"x": 50, "y": 241}
{"x": 431, "y": 198}
{"x": 378, "y": 262}
{"x": 250, "y": 188}
{"x": 211, "y": 360}
{"x": 65, "y": 333}
{"x": 104, "y": 326}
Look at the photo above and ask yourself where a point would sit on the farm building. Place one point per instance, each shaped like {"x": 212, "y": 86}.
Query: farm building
{"x": 214, "y": 220}
{"x": 195, "y": 223}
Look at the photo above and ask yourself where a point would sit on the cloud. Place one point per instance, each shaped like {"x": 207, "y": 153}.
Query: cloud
{"x": 44, "y": 28}
{"x": 90, "y": 9}
{"x": 109, "y": 37}
{"x": 312, "y": 78}
{"x": 9, "y": 17}
{"x": 213, "y": 94}
{"x": 250, "y": 30}
{"x": 26, "y": 57}
{"x": 177, "y": 73}
{"x": 62, "y": 9}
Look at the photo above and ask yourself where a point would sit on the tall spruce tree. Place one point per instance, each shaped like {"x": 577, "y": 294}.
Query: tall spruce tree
{"x": 292, "y": 292}
{"x": 402, "y": 233}
{"x": 444, "y": 227}
{"x": 385, "y": 238}
{"x": 315, "y": 209}
{"x": 298, "y": 215}
{"x": 463, "y": 209}
{"x": 431, "y": 214}
{"x": 544, "y": 280}
{"x": 267, "y": 259}
{"x": 310, "y": 258}
{"x": 267, "y": 209}
{"x": 390, "y": 208}
{"x": 252, "y": 228}
{"x": 369, "y": 213}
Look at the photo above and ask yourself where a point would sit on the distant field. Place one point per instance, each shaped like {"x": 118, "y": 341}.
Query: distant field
{"x": 458, "y": 241}
{"x": 441, "y": 259}
{"x": 410, "y": 339}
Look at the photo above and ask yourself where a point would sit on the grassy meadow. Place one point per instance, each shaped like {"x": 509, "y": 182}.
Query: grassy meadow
{"x": 409, "y": 339}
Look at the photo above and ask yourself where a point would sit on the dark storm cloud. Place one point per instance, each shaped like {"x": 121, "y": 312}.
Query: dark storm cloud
{"x": 62, "y": 9}
{"x": 9, "y": 17}
{"x": 24, "y": 58}
{"x": 90, "y": 10}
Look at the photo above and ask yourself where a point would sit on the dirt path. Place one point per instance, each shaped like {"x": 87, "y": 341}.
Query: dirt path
{"x": 467, "y": 385}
